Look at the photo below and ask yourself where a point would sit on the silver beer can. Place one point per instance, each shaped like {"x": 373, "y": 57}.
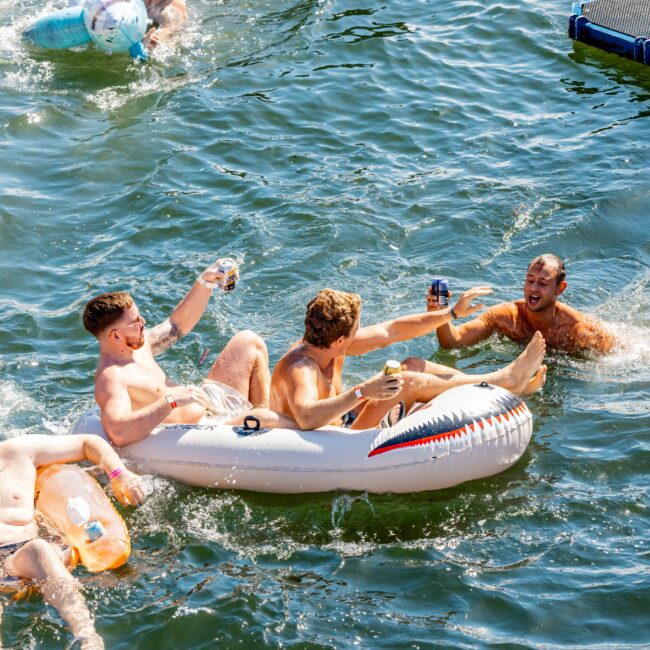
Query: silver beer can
{"x": 230, "y": 274}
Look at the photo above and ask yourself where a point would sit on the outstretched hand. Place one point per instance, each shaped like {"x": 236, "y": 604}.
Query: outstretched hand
{"x": 127, "y": 488}
{"x": 464, "y": 307}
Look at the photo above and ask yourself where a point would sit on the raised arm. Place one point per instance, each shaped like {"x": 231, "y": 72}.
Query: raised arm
{"x": 409, "y": 327}
{"x": 186, "y": 314}
{"x": 47, "y": 450}
{"x": 122, "y": 424}
{"x": 311, "y": 412}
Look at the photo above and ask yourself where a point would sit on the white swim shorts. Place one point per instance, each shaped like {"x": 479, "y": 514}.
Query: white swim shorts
{"x": 225, "y": 402}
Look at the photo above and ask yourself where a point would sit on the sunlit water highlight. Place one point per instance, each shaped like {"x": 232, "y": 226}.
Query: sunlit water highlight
{"x": 365, "y": 147}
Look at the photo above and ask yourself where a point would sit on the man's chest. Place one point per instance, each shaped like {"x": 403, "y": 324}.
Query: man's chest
{"x": 16, "y": 490}
{"x": 144, "y": 377}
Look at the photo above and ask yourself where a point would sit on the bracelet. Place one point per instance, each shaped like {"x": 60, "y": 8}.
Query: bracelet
{"x": 454, "y": 315}
{"x": 206, "y": 284}
{"x": 171, "y": 400}
{"x": 358, "y": 394}
{"x": 115, "y": 472}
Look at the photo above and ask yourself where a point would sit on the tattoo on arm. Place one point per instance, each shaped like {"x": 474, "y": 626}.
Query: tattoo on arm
{"x": 163, "y": 336}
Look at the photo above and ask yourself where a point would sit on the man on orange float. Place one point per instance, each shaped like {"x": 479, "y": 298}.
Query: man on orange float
{"x": 307, "y": 385}
{"x": 563, "y": 327}
{"x": 23, "y": 555}
{"x": 133, "y": 391}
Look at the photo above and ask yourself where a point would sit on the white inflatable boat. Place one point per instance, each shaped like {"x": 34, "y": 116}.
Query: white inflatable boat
{"x": 466, "y": 433}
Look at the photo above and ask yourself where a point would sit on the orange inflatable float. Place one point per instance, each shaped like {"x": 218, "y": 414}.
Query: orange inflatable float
{"x": 75, "y": 504}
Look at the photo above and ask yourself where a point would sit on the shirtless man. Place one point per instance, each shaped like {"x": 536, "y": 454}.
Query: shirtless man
{"x": 23, "y": 555}
{"x": 168, "y": 17}
{"x": 307, "y": 386}
{"x": 563, "y": 327}
{"x": 133, "y": 391}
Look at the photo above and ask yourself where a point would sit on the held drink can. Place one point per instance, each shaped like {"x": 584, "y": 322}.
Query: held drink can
{"x": 230, "y": 275}
{"x": 94, "y": 530}
{"x": 392, "y": 367}
{"x": 440, "y": 289}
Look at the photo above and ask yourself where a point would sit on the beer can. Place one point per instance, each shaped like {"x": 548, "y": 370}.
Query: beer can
{"x": 440, "y": 289}
{"x": 94, "y": 530}
{"x": 392, "y": 367}
{"x": 230, "y": 274}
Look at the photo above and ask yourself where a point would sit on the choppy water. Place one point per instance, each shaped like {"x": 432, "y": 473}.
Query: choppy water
{"x": 363, "y": 146}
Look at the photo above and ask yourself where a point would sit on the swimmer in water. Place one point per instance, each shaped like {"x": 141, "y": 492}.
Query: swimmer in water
{"x": 168, "y": 17}
{"x": 307, "y": 383}
{"x": 563, "y": 327}
{"x": 23, "y": 555}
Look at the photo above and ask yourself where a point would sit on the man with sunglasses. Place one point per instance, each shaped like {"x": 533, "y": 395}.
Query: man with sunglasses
{"x": 133, "y": 391}
{"x": 563, "y": 327}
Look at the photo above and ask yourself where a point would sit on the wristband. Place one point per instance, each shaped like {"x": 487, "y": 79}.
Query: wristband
{"x": 454, "y": 315}
{"x": 206, "y": 284}
{"x": 115, "y": 472}
{"x": 358, "y": 394}
{"x": 171, "y": 400}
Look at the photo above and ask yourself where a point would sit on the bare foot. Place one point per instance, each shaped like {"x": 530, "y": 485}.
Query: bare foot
{"x": 517, "y": 376}
{"x": 538, "y": 380}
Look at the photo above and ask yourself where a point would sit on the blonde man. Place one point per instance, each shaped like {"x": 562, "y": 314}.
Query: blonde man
{"x": 307, "y": 383}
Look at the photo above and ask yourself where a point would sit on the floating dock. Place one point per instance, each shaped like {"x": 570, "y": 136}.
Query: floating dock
{"x": 618, "y": 26}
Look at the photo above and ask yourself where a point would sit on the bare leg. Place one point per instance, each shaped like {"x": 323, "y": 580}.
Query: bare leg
{"x": 420, "y": 365}
{"x": 422, "y": 386}
{"x": 244, "y": 365}
{"x": 38, "y": 560}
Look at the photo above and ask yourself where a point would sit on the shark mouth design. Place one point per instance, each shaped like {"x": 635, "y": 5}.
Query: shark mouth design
{"x": 454, "y": 425}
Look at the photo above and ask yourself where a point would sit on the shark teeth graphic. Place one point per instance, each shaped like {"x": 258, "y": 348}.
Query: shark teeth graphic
{"x": 460, "y": 427}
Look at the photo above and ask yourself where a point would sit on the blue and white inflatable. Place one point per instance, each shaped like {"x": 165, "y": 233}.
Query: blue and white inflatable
{"x": 113, "y": 25}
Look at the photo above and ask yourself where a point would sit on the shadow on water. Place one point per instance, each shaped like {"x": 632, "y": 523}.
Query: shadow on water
{"x": 617, "y": 69}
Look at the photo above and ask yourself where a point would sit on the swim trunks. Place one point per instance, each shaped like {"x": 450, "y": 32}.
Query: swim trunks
{"x": 225, "y": 402}
{"x": 348, "y": 418}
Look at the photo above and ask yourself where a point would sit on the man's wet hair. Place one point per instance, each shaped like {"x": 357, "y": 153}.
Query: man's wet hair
{"x": 548, "y": 259}
{"x": 331, "y": 314}
{"x": 104, "y": 310}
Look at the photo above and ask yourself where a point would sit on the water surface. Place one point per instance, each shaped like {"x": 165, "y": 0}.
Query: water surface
{"x": 366, "y": 147}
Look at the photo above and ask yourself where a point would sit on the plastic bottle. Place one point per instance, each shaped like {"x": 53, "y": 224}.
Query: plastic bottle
{"x": 79, "y": 514}
{"x": 75, "y": 504}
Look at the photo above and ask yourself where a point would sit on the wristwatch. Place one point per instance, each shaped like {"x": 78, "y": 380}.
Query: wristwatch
{"x": 172, "y": 401}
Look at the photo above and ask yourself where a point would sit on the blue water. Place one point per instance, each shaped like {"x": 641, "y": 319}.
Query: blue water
{"x": 366, "y": 147}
